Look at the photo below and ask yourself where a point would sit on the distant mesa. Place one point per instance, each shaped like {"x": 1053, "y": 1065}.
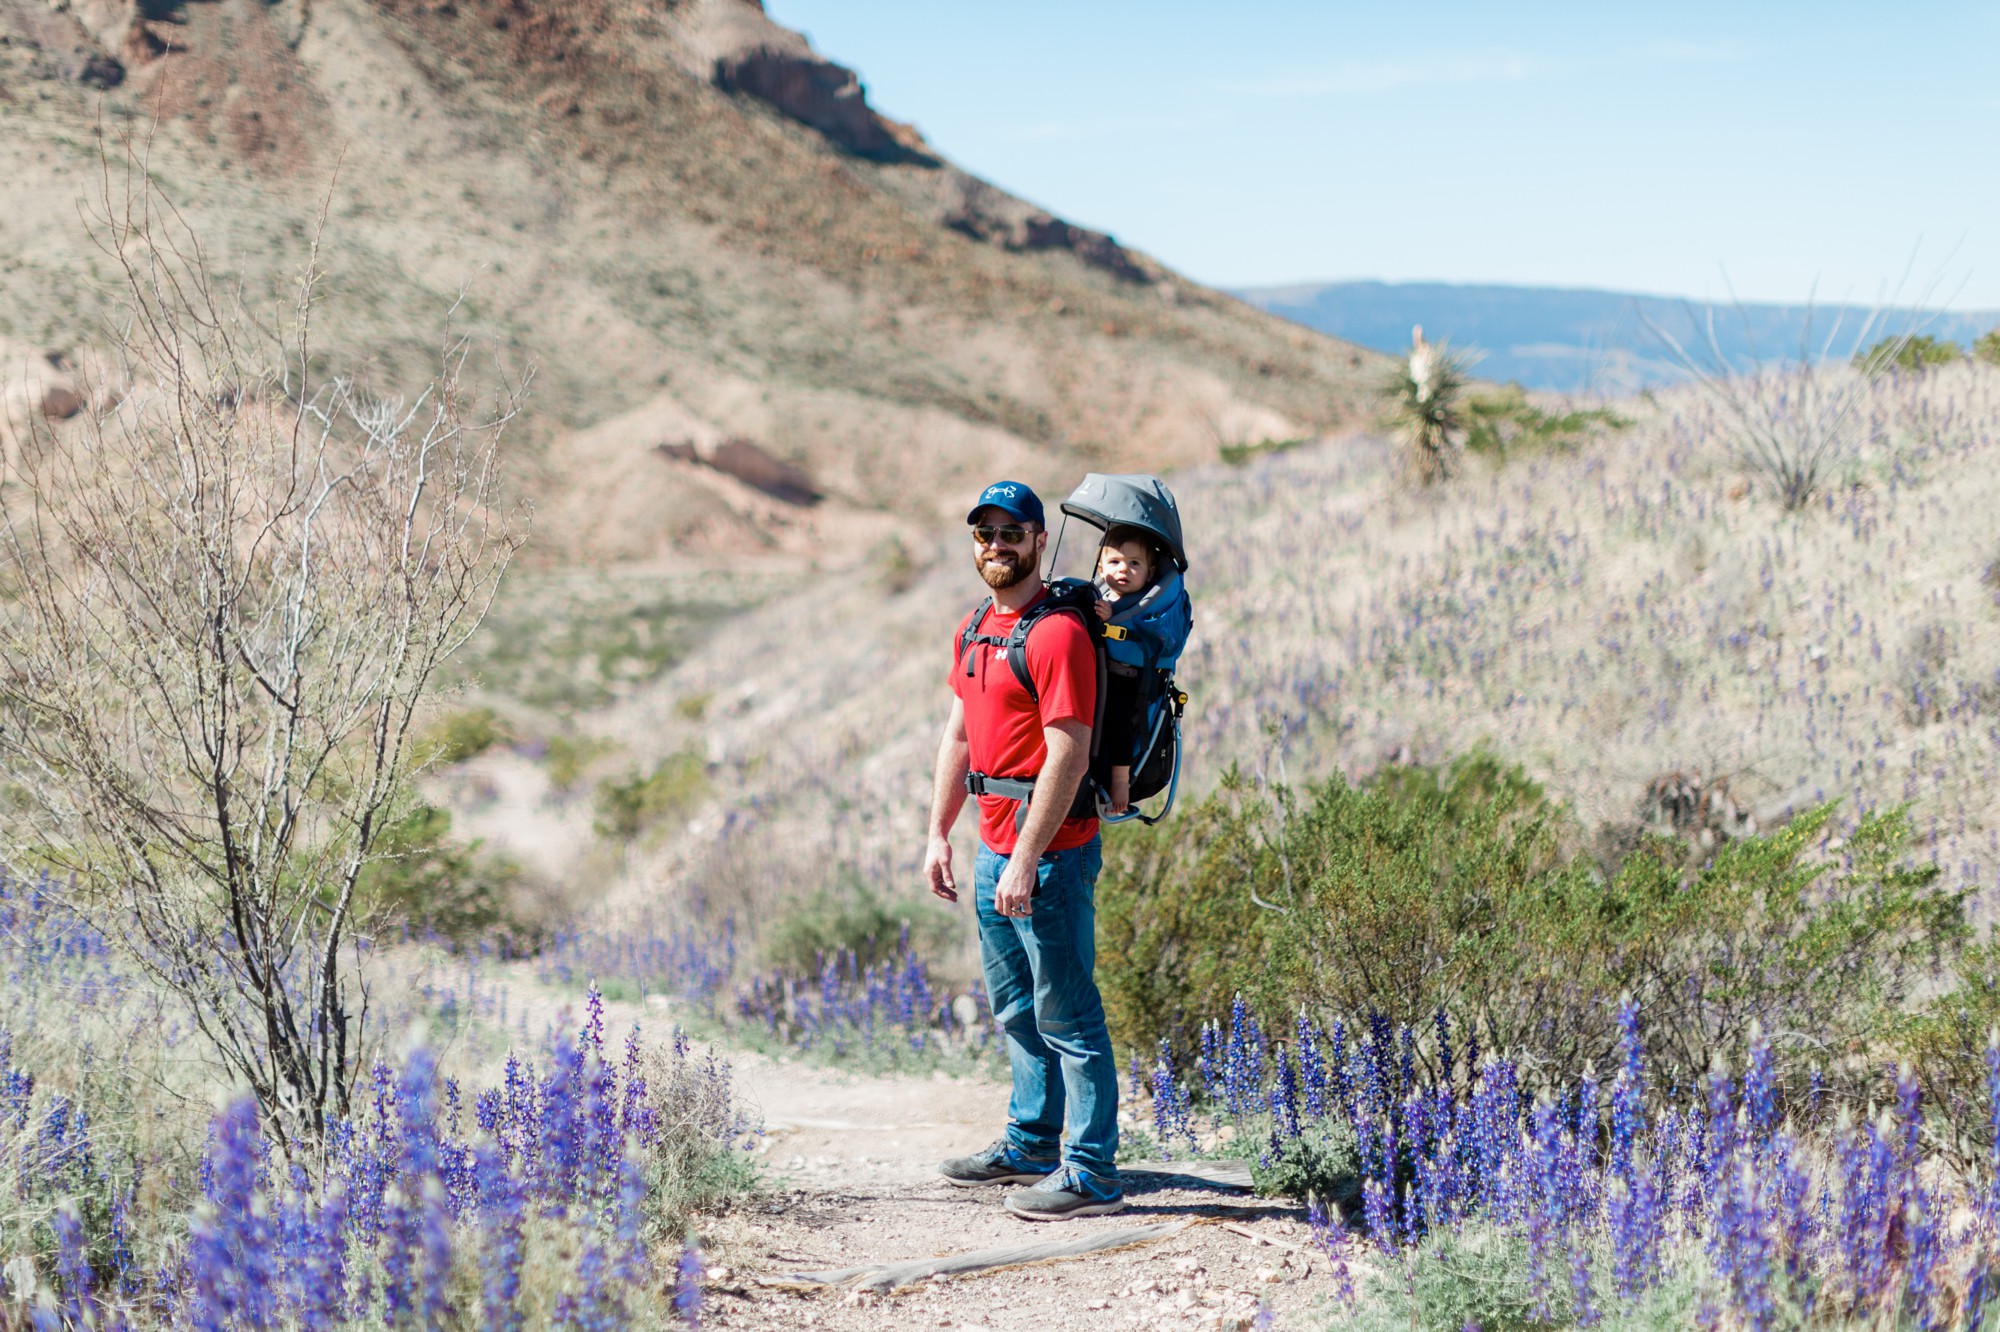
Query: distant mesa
{"x": 752, "y": 464}
{"x": 1576, "y": 340}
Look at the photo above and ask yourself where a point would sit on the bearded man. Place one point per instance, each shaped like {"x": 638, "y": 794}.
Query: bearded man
{"x": 1034, "y": 881}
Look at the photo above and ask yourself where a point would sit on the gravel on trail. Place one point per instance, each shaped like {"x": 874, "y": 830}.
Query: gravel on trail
{"x": 850, "y": 1164}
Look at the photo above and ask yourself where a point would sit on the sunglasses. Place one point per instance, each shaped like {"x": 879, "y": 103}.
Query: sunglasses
{"x": 1013, "y": 534}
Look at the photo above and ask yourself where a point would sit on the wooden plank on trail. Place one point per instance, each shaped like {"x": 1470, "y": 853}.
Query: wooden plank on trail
{"x": 885, "y": 1277}
{"x": 1231, "y": 1175}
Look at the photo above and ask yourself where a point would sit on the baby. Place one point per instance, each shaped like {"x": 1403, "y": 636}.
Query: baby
{"x": 1125, "y": 567}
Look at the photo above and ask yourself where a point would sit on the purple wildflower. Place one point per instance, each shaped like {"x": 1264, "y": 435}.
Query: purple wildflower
{"x": 687, "y": 1286}
{"x": 1331, "y": 1236}
{"x": 500, "y": 1214}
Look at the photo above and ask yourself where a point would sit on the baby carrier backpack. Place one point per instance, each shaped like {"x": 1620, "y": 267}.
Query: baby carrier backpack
{"x": 1142, "y": 642}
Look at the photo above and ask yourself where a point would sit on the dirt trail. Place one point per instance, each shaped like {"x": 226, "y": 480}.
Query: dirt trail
{"x": 852, "y": 1180}
{"x": 849, "y": 1175}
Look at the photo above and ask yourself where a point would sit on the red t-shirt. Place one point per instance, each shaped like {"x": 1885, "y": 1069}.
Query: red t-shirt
{"x": 1003, "y": 726}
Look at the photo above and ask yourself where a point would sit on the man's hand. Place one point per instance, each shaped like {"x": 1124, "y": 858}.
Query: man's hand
{"x": 1068, "y": 744}
{"x": 1013, "y": 895}
{"x": 937, "y": 869}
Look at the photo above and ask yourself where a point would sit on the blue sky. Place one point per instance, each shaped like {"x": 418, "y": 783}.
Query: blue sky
{"x": 1686, "y": 149}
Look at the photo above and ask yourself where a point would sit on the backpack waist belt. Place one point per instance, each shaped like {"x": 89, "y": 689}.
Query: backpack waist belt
{"x": 1007, "y": 788}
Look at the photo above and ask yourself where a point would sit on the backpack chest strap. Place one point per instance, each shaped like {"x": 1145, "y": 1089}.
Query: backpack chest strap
{"x": 1015, "y": 643}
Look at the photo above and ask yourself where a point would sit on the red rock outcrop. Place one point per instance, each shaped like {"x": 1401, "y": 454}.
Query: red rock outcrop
{"x": 737, "y": 47}
{"x": 821, "y": 94}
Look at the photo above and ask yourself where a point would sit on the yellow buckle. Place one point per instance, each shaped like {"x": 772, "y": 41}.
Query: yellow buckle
{"x": 1116, "y": 631}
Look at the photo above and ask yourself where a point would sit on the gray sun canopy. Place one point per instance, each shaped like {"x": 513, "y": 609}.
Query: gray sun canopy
{"x": 1107, "y": 500}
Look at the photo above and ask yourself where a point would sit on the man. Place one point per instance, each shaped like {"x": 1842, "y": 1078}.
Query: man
{"x": 1036, "y": 873}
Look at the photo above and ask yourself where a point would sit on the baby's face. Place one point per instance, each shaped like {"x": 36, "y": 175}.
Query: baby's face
{"x": 1125, "y": 568}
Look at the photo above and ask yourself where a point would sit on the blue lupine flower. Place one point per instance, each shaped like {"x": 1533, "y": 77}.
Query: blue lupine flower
{"x": 500, "y": 1211}
{"x": 1172, "y": 1115}
{"x": 1285, "y": 1100}
{"x": 1331, "y": 1237}
{"x": 230, "y": 1243}
{"x": 1313, "y": 1083}
{"x": 1243, "y": 1063}
{"x": 687, "y": 1286}
{"x": 1546, "y": 1221}
{"x": 1760, "y": 1086}
{"x": 80, "y": 1308}
{"x": 1338, "y": 1070}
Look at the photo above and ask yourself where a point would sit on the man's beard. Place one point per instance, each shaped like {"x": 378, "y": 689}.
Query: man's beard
{"x": 1000, "y": 575}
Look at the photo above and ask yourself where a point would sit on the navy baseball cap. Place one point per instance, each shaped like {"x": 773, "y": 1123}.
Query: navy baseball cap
{"x": 1010, "y": 497}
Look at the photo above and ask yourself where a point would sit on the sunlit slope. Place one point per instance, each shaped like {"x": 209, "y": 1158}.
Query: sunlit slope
{"x": 633, "y": 200}
{"x": 1611, "y": 617}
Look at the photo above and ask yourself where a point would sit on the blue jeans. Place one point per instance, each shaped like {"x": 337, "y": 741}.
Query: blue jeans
{"x": 1040, "y": 981}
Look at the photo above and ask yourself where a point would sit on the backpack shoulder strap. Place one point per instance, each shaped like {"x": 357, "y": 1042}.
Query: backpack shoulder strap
{"x": 970, "y": 634}
{"x": 1084, "y": 805}
{"x": 1017, "y": 642}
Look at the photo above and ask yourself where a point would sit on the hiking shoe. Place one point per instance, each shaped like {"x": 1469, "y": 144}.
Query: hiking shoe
{"x": 1066, "y": 1194}
{"x": 998, "y": 1164}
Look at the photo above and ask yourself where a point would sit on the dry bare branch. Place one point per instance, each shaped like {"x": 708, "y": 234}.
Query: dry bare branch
{"x": 1792, "y": 423}
{"x": 225, "y": 601}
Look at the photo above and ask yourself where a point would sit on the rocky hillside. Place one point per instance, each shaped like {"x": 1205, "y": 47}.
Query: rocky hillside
{"x": 763, "y": 317}
{"x": 1637, "y": 621}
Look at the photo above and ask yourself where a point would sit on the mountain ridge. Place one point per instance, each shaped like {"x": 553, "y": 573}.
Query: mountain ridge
{"x": 693, "y": 226}
{"x": 1584, "y": 338}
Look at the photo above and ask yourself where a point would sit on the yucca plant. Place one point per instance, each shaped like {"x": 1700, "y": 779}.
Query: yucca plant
{"x": 1426, "y": 394}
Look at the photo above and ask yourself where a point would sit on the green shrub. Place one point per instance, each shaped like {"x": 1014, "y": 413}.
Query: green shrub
{"x": 1238, "y": 454}
{"x": 1478, "y": 1276}
{"x": 629, "y": 805}
{"x": 568, "y": 756}
{"x": 458, "y": 736}
{"x": 854, "y": 918}
{"x": 1917, "y": 351}
{"x": 1460, "y": 889}
{"x": 1987, "y": 349}
{"x": 1946, "y": 1043}
{"x": 1165, "y": 896}
{"x": 896, "y": 568}
{"x": 1322, "y": 1164}
{"x": 573, "y": 640}
{"x": 1504, "y": 422}
{"x": 436, "y": 885}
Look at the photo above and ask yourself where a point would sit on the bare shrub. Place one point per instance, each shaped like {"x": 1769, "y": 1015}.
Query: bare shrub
{"x": 694, "y": 1160}
{"x": 1683, "y": 803}
{"x": 1792, "y": 424}
{"x": 1922, "y": 689}
{"x": 226, "y": 602}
